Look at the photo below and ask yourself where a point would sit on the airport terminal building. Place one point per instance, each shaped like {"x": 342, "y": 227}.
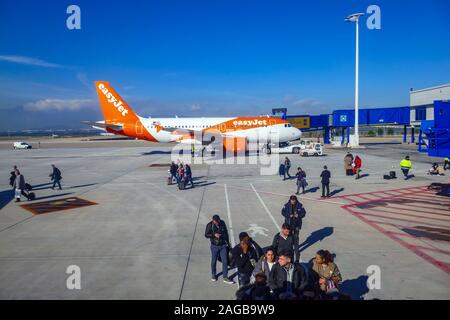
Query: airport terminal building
{"x": 422, "y": 102}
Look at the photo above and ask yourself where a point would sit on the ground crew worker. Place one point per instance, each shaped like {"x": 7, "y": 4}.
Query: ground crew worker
{"x": 446, "y": 163}
{"x": 406, "y": 165}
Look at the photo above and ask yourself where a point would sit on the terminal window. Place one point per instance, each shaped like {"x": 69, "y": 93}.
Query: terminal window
{"x": 421, "y": 113}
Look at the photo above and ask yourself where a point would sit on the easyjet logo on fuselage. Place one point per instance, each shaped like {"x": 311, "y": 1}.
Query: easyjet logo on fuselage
{"x": 250, "y": 123}
{"x": 111, "y": 99}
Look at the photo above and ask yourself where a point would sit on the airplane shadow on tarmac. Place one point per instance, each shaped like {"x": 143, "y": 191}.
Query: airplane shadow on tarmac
{"x": 53, "y": 196}
{"x": 316, "y": 236}
{"x": 155, "y": 152}
{"x": 5, "y": 197}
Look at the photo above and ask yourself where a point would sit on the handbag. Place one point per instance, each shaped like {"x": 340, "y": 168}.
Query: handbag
{"x": 330, "y": 285}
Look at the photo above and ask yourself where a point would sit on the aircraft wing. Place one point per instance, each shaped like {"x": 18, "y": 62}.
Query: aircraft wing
{"x": 104, "y": 126}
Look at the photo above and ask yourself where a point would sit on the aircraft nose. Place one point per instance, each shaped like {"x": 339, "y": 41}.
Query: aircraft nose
{"x": 296, "y": 133}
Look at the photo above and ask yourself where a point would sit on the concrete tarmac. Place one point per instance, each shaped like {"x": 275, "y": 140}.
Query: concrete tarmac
{"x": 144, "y": 239}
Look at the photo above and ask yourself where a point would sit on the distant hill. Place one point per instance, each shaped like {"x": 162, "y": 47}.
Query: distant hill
{"x": 18, "y": 118}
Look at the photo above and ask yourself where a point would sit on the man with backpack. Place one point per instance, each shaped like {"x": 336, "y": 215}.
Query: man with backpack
{"x": 56, "y": 177}
{"x": 216, "y": 231}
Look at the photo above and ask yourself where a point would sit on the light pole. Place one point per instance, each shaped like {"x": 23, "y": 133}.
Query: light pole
{"x": 355, "y": 18}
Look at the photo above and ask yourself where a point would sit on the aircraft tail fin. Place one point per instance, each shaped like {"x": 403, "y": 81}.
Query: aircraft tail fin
{"x": 115, "y": 109}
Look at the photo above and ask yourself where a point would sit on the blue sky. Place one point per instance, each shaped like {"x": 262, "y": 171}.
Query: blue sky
{"x": 218, "y": 57}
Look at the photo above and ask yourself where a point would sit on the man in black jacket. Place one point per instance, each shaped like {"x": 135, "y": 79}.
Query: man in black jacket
{"x": 283, "y": 240}
{"x": 325, "y": 175}
{"x": 173, "y": 171}
{"x": 293, "y": 213}
{"x": 287, "y": 279}
{"x": 245, "y": 257}
{"x": 188, "y": 174}
{"x": 252, "y": 243}
{"x": 217, "y": 232}
{"x": 56, "y": 177}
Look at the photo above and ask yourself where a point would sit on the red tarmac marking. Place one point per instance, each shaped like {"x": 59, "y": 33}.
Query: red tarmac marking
{"x": 408, "y": 215}
{"x": 418, "y": 194}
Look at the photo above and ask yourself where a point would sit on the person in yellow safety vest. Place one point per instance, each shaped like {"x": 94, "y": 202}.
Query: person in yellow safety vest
{"x": 446, "y": 164}
{"x": 406, "y": 165}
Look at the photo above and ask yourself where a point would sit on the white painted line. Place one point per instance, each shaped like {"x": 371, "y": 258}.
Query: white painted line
{"x": 230, "y": 226}
{"x": 265, "y": 207}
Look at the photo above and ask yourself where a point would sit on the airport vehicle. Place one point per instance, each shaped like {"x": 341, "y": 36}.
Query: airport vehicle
{"x": 283, "y": 147}
{"x": 315, "y": 149}
{"x": 289, "y": 147}
{"x": 21, "y": 145}
{"x": 233, "y": 132}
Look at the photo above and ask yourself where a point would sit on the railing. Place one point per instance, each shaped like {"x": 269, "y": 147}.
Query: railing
{"x": 436, "y": 137}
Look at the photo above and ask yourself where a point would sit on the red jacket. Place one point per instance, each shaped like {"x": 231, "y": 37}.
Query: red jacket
{"x": 358, "y": 164}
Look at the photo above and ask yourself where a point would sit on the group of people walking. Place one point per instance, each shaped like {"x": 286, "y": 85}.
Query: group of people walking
{"x": 22, "y": 188}
{"x": 182, "y": 173}
{"x": 274, "y": 272}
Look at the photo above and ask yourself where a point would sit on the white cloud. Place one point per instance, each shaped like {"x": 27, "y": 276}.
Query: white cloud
{"x": 195, "y": 107}
{"x": 30, "y": 61}
{"x": 302, "y": 103}
{"x": 60, "y": 104}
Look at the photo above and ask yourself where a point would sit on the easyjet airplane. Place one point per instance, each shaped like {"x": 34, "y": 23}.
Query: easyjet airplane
{"x": 120, "y": 119}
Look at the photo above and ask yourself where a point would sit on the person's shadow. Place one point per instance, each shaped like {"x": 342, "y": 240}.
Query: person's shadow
{"x": 336, "y": 191}
{"x": 316, "y": 236}
{"x": 356, "y": 288}
{"x": 312, "y": 190}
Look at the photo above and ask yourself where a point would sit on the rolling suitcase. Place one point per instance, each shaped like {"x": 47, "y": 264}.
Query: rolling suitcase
{"x": 31, "y": 196}
{"x": 182, "y": 185}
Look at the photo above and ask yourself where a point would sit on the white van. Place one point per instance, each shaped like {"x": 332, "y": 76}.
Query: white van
{"x": 315, "y": 149}
{"x": 21, "y": 145}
